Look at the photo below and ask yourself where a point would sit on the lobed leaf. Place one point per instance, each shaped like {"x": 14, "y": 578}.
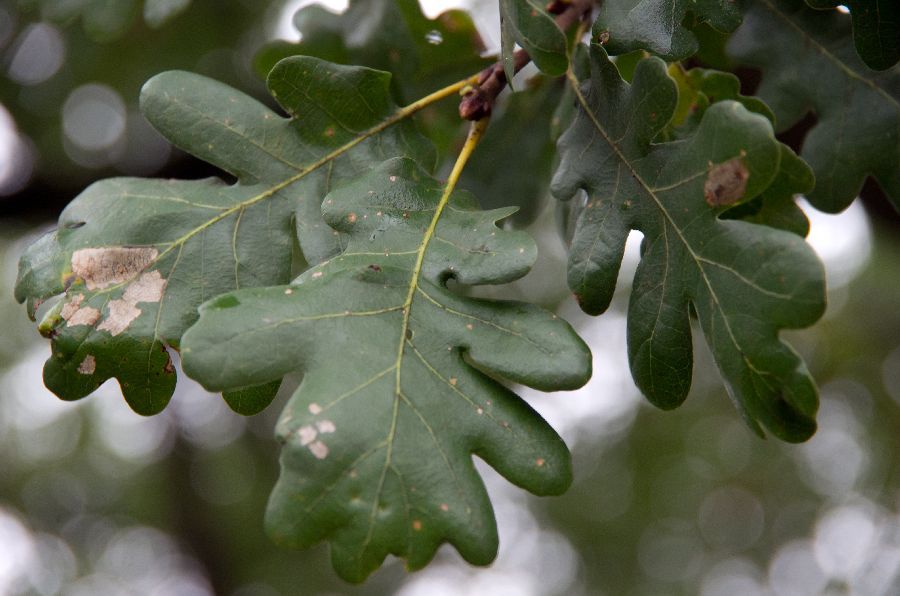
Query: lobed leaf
{"x": 135, "y": 257}
{"x": 399, "y": 384}
{"x": 744, "y": 281}
{"x": 659, "y": 26}
{"x": 698, "y": 88}
{"x": 809, "y": 64}
{"x": 422, "y": 54}
{"x": 876, "y": 29}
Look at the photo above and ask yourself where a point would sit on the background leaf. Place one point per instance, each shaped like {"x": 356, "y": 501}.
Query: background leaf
{"x": 661, "y": 27}
{"x": 398, "y": 390}
{"x": 876, "y": 29}
{"x": 808, "y": 64}
{"x": 422, "y": 54}
{"x": 510, "y": 169}
{"x": 528, "y": 23}
{"x": 744, "y": 281}
{"x": 137, "y": 256}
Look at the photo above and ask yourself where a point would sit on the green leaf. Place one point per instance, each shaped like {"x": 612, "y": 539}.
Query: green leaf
{"x": 876, "y": 29}
{"x": 422, "y": 54}
{"x": 503, "y": 177}
{"x": 698, "y": 88}
{"x": 776, "y": 206}
{"x": 808, "y": 63}
{"x": 660, "y": 26}
{"x": 136, "y": 257}
{"x": 528, "y": 23}
{"x": 744, "y": 281}
{"x": 399, "y": 387}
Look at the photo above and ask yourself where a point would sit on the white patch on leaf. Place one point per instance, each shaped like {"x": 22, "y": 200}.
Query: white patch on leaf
{"x": 307, "y": 435}
{"x": 325, "y": 426}
{"x": 83, "y": 316}
{"x": 121, "y": 314}
{"x": 88, "y": 365}
{"x": 149, "y": 287}
{"x": 319, "y": 449}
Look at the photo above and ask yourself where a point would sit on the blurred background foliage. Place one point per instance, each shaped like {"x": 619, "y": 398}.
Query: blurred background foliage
{"x": 96, "y": 500}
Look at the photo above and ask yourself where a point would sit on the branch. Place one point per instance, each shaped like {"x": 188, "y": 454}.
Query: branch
{"x": 479, "y": 100}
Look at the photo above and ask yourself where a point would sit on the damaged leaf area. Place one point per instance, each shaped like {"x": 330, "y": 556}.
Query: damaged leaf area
{"x": 133, "y": 258}
{"x": 399, "y": 386}
{"x": 744, "y": 281}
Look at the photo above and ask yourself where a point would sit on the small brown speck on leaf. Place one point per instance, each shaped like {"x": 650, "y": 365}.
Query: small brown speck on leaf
{"x": 417, "y": 525}
{"x": 726, "y": 182}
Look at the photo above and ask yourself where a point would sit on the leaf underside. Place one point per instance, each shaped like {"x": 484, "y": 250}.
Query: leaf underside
{"x": 135, "y": 257}
{"x": 808, "y": 64}
{"x": 744, "y": 281}
{"x": 398, "y": 390}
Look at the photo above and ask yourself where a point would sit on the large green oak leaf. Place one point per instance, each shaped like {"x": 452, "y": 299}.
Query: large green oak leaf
{"x": 659, "y": 26}
{"x": 809, "y": 64}
{"x": 400, "y": 376}
{"x": 744, "y": 281}
{"x": 135, "y": 257}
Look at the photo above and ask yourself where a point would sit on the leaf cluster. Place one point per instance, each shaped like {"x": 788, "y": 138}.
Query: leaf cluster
{"x": 405, "y": 375}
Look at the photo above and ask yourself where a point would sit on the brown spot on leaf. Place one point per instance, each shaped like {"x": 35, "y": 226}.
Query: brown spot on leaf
{"x": 417, "y": 525}
{"x": 375, "y": 268}
{"x": 102, "y": 267}
{"x": 726, "y": 182}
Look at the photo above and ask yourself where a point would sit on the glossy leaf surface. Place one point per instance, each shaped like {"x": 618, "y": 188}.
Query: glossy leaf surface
{"x": 135, "y": 257}
{"x": 399, "y": 388}
{"x": 659, "y": 26}
{"x": 528, "y": 23}
{"x": 744, "y": 281}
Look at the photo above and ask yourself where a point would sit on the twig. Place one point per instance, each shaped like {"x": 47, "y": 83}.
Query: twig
{"x": 479, "y": 100}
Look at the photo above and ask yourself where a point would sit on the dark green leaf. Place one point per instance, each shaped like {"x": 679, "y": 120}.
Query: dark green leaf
{"x": 659, "y": 26}
{"x": 876, "y": 29}
{"x": 137, "y": 256}
{"x": 698, "y": 88}
{"x": 808, "y": 63}
{"x": 745, "y": 281}
{"x": 528, "y": 23}
{"x": 398, "y": 391}
{"x": 393, "y": 35}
